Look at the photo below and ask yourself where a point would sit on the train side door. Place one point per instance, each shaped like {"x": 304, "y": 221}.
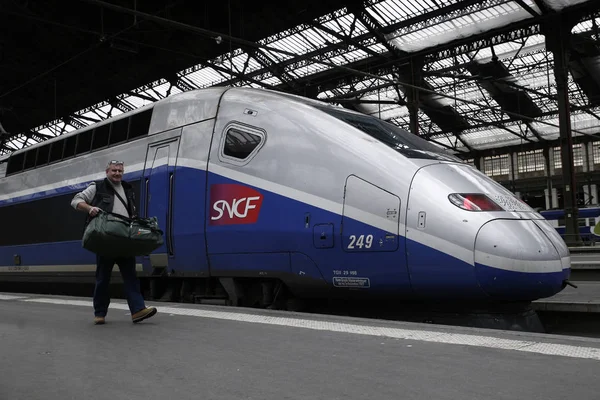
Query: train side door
{"x": 158, "y": 187}
{"x": 371, "y": 238}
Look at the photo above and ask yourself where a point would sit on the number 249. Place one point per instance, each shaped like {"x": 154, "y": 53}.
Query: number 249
{"x": 362, "y": 241}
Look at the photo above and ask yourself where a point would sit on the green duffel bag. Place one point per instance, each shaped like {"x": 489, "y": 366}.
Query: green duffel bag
{"x": 114, "y": 235}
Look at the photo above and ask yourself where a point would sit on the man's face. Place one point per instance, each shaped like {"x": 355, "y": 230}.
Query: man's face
{"x": 114, "y": 173}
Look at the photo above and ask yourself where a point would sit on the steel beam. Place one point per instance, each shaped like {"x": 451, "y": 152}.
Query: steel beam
{"x": 558, "y": 39}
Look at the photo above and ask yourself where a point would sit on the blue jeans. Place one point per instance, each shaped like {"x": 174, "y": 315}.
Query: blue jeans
{"x": 104, "y": 267}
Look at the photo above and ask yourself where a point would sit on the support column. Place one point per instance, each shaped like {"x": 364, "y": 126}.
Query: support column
{"x": 591, "y": 162}
{"x": 412, "y": 94}
{"x": 548, "y": 160}
{"x": 513, "y": 170}
{"x": 585, "y": 157}
{"x": 478, "y": 163}
{"x": 554, "y": 198}
{"x": 558, "y": 33}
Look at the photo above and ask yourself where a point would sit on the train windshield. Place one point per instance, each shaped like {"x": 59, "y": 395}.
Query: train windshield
{"x": 397, "y": 138}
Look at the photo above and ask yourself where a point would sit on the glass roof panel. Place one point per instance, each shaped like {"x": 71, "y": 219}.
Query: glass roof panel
{"x": 137, "y": 101}
{"x": 272, "y": 81}
{"x": 491, "y": 138}
{"x": 206, "y": 77}
{"x": 448, "y": 141}
{"x": 460, "y": 24}
{"x": 585, "y": 26}
{"x": 560, "y": 4}
{"x": 528, "y": 61}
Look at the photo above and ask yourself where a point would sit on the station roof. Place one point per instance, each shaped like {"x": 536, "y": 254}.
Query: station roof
{"x": 483, "y": 68}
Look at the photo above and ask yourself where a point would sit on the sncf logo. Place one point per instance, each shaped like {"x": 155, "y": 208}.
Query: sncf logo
{"x": 233, "y": 204}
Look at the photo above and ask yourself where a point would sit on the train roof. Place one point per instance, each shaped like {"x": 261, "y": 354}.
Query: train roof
{"x": 173, "y": 99}
{"x": 79, "y": 131}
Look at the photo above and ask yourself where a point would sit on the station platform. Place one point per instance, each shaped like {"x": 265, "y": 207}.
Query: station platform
{"x": 52, "y": 350}
{"x": 583, "y": 299}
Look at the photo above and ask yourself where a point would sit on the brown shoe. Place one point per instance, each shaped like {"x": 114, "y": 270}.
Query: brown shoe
{"x": 99, "y": 320}
{"x": 143, "y": 314}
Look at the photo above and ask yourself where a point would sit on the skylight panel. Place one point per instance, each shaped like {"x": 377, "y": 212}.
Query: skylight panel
{"x": 50, "y": 132}
{"x": 444, "y": 140}
{"x": 88, "y": 114}
{"x": 586, "y": 123}
{"x": 274, "y": 81}
{"x": 491, "y": 138}
{"x": 488, "y": 134}
{"x": 349, "y": 57}
{"x": 346, "y": 23}
{"x": 492, "y": 14}
{"x": 535, "y": 80}
{"x": 205, "y": 77}
{"x": 391, "y": 113}
{"x": 585, "y": 26}
{"x": 161, "y": 89}
{"x": 110, "y": 111}
{"x": 393, "y": 11}
{"x": 240, "y": 60}
{"x": 294, "y": 43}
{"x": 16, "y": 143}
{"x": 507, "y": 51}
{"x": 137, "y": 101}
{"x": 547, "y": 131}
{"x": 507, "y": 141}
{"x": 319, "y": 38}
{"x": 381, "y": 14}
{"x": 308, "y": 69}
{"x": 561, "y": 4}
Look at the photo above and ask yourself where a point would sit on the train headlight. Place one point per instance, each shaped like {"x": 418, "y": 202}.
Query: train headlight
{"x": 474, "y": 202}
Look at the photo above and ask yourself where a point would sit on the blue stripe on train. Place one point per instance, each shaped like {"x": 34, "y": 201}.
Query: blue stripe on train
{"x": 519, "y": 286}
{"x": 279, "y": 241}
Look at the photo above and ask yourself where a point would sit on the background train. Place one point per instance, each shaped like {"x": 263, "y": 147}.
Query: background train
{"x": 264, "y": 195}
{"x": 588, "y": 221}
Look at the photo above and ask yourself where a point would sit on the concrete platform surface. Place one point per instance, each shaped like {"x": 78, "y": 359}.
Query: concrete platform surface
{"x": 585, "y": 298}
{"x": 51, "y": 350}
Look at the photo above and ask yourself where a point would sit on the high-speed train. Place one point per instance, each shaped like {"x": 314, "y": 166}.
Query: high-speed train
{"x": 258, "y": 191}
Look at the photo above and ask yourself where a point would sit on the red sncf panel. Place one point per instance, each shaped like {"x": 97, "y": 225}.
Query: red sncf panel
{"x": 232, "y": 204}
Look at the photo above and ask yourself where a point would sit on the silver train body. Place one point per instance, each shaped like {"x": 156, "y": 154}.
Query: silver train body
{"x": 257, "y": 184}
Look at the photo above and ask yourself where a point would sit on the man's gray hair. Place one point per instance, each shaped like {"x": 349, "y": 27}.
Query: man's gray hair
{"x": 114, "y": 162}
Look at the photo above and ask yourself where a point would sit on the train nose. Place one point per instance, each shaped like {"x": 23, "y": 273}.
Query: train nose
{"x": 515, "y": 259}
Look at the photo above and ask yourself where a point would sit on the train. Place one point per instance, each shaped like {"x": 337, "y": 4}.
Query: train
{"x": 264, "y": 195}
{"x": 588, "y": 222}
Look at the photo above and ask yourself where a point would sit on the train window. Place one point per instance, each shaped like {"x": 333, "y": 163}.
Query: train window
{"x": 118, "y": 131}
{"x": 30, "y": 159}
{"x": 70, "y": 143}
{"x": 56, "y": 151}
{"x": 15, "y": 163}
{"x": 100, "y": 137}
{"x": 404, "y": 142}
{"x": 140, "y": 124}
{"x": 84, "y": 142}
{"x": 42, "y": 156}
{"x": 240, "y": 143}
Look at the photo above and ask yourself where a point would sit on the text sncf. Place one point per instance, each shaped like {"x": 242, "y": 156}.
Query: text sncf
{"x": 234, "y": 204}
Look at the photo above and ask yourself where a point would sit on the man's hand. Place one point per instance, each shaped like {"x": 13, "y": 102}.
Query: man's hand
{"x": 94, "y": 211}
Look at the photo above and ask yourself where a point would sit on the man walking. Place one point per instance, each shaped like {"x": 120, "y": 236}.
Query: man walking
{"x": 113, "y": 195}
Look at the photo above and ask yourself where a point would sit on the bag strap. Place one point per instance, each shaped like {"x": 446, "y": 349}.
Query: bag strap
{"x": 122, "y": 201}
